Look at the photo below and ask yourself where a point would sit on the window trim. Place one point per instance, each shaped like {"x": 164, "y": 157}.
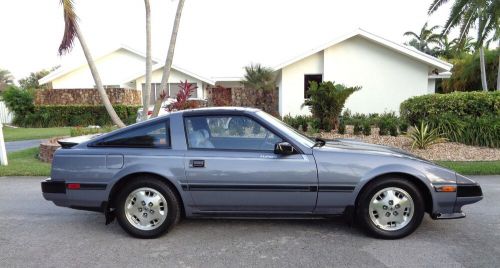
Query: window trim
{"x": 95, "y": 144}
{"x": 184, "y": 117}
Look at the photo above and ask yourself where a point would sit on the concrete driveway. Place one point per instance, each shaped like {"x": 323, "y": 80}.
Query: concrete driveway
{"x": 35, "y": 233}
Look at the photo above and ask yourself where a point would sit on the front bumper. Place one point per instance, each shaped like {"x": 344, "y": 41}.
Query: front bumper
{"x": 467, "y": 193}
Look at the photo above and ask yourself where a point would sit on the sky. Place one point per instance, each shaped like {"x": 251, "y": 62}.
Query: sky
{"x": 217, "y": 38}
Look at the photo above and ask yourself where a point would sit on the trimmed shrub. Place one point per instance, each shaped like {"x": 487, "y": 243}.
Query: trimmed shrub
{"x": 460, "y": 104}
{"x": 341, "y": 129}
{"x": 357, "y": 127}
{"x": 388, "y": 124}
{"x": 367, "y": 128}
{"x": 75, "y": 115}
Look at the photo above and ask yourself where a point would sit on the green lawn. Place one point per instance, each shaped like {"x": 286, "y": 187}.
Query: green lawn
{"x": 25, "y": 163}
{"x": 473, "y": 167}
{"x": 18, "y": 134}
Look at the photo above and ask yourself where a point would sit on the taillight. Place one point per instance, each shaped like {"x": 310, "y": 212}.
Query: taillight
{"x": 73, "y": 186}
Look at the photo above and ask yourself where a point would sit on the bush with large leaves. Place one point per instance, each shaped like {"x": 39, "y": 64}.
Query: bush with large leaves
{"x": 326, "y": 102}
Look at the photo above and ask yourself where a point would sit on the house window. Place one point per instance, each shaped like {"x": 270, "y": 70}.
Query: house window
{"x": 172, "y": 88}
{"x": 318, "y": 78}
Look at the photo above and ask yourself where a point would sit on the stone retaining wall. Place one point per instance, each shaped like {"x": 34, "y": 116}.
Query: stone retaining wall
{"x": 266, "y": 100}
{"x": 48, "y": 148}
{"x": 86, "y": 96}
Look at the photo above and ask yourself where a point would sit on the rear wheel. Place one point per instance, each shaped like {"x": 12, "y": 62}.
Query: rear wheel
{"x": 147, "y": 208}
{"x": 391, "y": 208}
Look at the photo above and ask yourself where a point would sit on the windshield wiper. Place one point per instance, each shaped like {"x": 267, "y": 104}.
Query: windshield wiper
{"x": 319, "y": 142}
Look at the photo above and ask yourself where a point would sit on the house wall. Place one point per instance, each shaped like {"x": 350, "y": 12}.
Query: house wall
{"x": 431, "y": 88}
{"x": 113, "y": 69}
{"x": 175, "y": 77}
{"x": 291, "y": 84}
{"x": 386, "y": 76}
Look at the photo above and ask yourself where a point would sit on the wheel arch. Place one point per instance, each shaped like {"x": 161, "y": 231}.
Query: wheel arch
{"x": 118, "y": 185}
{"x": 419, "y": 183}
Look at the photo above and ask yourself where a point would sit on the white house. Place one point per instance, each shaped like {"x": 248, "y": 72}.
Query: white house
{"x": 123, "y": 67}
{"x": 388, "y": 73}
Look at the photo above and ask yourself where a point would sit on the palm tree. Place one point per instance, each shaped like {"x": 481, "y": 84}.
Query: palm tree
{"x": 72, "y": 30}
{"x": 426, "y": 37}
{"x": 169, "y": 59}
{"x": 147, "y": 87}
{"x": 482, "y": 15}
{"x": 259, "y": 77}
{"x": 5, "y": 79}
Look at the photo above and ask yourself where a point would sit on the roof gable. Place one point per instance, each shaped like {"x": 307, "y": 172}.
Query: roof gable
{"x": 413, "y": 53}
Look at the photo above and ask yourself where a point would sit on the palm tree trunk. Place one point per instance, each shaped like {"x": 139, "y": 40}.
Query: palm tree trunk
{"x": 170, "y": 57}
{"x": 97, "y": 79}
{"x": 147, "y": 87}
{"x": 498, "y": 72}
{"x": 483, "y": 69}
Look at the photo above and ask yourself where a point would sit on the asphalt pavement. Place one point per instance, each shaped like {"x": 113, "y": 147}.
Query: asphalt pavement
{"x": 12, "y": 146}
{"x": 36, "y": 233}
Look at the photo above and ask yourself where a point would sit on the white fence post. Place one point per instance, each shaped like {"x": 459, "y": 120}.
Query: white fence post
{"x": 3, "y": 151}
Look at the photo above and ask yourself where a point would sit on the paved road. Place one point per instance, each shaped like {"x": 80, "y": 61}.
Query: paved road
{"x": 13, "y": 146}
{"x": 34, "y": 232}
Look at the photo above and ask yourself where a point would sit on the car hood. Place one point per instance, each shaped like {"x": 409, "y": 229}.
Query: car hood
{"x": 356, "y": 145}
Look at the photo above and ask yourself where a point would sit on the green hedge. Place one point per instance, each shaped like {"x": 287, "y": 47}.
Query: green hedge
{"x": 74, "y": 115}
{"x": 461, "y": 104}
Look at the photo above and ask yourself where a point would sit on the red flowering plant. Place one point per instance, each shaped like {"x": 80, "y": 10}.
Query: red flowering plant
{"x": 182, "y": 98}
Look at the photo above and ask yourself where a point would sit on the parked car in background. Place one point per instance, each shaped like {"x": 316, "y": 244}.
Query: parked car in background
{"x": 243, "y": 162}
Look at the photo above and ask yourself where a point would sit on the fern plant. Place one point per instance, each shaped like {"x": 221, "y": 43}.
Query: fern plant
{"x": 422, "y": 137}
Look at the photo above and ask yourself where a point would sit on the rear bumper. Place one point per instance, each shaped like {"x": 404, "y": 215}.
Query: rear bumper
{"x": 89, "y": 196}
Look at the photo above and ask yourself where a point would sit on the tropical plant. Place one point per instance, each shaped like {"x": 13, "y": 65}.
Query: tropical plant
{"x": 357, "y": 127}
{"x": 426, "y": 37}
{"x": 31, "y": 81}
{"x": 182, "y": 98}
{"x": 388, "y": 124}
{"x": 259, "y": 77}
{"x": 423, "y": 136}
{"x": 341, "y": 128}
{"x": 72, "y": 31}
{"x": 5, "y": 79}
{"x": 170, "y": 57}
{"x": 326, "y": 102}
{"x": 19, "y": 101}
{"x": 482, "y": 15}
{"x": 146, "y": 91}
{"x": 466, "y": 73}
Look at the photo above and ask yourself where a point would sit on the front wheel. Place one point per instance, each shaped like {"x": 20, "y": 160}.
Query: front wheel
{"x": 147, "y": 208}
{"x": 391, "y": 208}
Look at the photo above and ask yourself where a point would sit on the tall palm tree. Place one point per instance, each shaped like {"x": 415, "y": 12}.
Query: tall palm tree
{"x": 72, "y": 30}
{"x": 147, "y": 87}
{"x": 259, "y": 77}
{"x": 426, "y": 37}
{"x": 169, "y": 59}
{"x": 482, "y": 15}
{"x": 5, "y": 79}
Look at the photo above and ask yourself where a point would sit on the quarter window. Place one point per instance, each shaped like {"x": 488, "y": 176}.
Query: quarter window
{"x": 157, "y": 135}
{"x": 228, "y": 132}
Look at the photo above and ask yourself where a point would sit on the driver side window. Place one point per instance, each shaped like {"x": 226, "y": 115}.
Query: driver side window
{"x": 228, "y": 132}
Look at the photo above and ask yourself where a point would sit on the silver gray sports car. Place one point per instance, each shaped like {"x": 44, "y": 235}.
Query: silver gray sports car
{"x": 242, "y": 162}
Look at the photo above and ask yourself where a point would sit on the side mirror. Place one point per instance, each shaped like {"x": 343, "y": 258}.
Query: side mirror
{"x": 284, "y": 148}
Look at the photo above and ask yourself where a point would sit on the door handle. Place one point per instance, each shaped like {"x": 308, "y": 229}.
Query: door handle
{"x": 197, "y": 163}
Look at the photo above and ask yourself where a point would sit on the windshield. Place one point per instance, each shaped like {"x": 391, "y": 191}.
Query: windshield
{"x": 290, "y": 131}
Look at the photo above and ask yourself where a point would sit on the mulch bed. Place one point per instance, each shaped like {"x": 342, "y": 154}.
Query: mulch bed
{"x": 447, "y": 151}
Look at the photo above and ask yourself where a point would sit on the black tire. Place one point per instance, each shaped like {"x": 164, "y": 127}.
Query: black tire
{"x": 363, "y": 213}
{"x": 173, "y": 214}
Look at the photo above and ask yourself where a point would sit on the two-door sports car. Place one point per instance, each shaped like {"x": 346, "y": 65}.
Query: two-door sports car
{"x": 242, "y": 162}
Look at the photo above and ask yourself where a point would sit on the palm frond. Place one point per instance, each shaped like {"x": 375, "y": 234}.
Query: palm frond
{"x": 435, "y": 5}
{"x": 70, "y": 26}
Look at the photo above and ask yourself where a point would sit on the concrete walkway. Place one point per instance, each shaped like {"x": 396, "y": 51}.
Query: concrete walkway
{"x": 13, "y": 146}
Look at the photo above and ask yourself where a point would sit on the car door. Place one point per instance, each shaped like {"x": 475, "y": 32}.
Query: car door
{"x": 231, "y": 167}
